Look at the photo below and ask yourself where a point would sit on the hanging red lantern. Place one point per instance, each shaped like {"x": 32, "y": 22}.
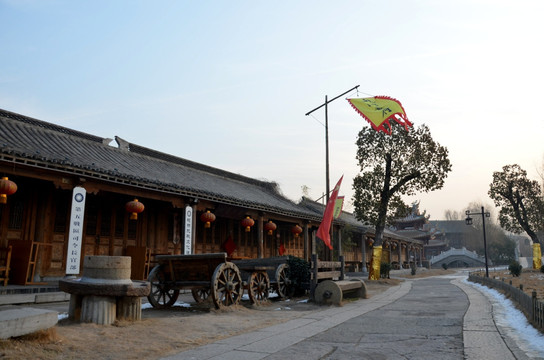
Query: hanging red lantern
{"x": 370, "y": 242}
{"x": 134, "y": 207}
{"x": 207, "y": 218}
{"x": 296, "y": 230}
{"x": 248, "y": 223}
{"x": 7, "y": 187}
{"x": 270, "y": 227}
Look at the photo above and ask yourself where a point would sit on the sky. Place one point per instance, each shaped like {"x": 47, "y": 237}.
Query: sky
{"x": 228, "y": 83}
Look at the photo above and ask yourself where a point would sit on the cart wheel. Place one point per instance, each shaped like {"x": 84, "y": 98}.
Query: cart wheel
{"x": 258, "y": 287}
{"x": 227, "y": 288}
{"x": 284, "y": 287}
{"x": 201, "y": 294}
{"x": 162, "y": 295}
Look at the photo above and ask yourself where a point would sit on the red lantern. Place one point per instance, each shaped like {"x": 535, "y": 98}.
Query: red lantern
{"x": 296, "y": 230}
{"x": 270, "y": 227}
{"x": 7, "y": 187}
{"x": 248, "y": 223}
{"x": 134, "y": 208}
{"x": 207, "y": 218}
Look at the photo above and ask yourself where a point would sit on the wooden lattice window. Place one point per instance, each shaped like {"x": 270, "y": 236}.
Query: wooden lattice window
{"x": 16, "y": 216}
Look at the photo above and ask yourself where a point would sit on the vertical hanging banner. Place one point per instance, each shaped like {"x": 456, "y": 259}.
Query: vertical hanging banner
{"x": 75, "y": 233}
{"x": 338, "y": 205}
{"x": 323, "y": 232}
{"x": 188, "y": 238}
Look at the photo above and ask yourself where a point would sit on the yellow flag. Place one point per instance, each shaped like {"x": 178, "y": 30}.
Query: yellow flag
{"x": 338, "y": 205}
{"x": 379, "y": 110}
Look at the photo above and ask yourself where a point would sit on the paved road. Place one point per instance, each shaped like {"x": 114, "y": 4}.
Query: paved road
{"x": 432, "y": 318}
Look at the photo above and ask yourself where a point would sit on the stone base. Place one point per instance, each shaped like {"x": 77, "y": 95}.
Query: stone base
{"x": 129, "y": 308}
{"x": 104, "y": 310}
{"x": 98, "y": 309}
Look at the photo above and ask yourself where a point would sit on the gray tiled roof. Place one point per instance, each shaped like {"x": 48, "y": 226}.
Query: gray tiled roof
{"x": 45, "y": 145}
{"x": 345, "y": 217}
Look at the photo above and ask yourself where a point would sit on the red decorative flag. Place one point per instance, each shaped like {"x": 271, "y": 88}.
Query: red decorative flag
{"x": 229, "y": 246}
{"x": 281, "y": 250}
{"x": 324, "y": 228}
{"x": 379, "y": 110}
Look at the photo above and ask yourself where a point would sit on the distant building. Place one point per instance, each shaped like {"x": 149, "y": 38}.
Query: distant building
{"x": 416, "y": 226}
{"x": 457, "y": 232}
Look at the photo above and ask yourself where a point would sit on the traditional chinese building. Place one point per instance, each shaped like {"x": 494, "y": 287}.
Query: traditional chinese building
{"x": 397, "y": 249}
{"x": 185, "y": 204}
{"x": 416, "y": 226}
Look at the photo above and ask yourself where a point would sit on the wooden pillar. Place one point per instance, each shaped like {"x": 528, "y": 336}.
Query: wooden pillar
{"x": 363, "y": 253}
{"x": 313, "y": 243}
{"x": 339, "y": 241}
{"x": 306, "y": 240}
{"x": 260, "y": 225}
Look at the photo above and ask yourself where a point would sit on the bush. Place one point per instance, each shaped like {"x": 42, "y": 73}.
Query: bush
{"x": 445, "y": 266}
{"x": 299, "y": 273}
{"x": 515, "y": 268}
{"x": 385, "y": 268}
{"x": 413, "y": 266}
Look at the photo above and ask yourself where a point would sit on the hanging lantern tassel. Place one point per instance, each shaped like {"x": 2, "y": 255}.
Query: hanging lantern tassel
{"x": 248, "y": 223}
{"x": 134, "y": 208}
{"x": 270, "y": 227}
{"x": 296, "y": 230}
{"x": 7, "y": 187}
{"x": 208, "y": 217}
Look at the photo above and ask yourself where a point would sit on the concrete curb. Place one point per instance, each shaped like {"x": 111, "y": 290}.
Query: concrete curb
{"x": 482, "y": 338}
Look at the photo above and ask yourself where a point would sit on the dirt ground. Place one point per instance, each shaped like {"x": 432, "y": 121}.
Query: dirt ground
{"x": 164, "y": 332}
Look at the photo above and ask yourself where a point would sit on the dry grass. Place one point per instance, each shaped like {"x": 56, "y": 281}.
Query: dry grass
{"x": 531, "y": 279}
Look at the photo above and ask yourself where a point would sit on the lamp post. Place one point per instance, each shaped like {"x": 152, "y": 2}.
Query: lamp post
{"x": 468, "y": 221}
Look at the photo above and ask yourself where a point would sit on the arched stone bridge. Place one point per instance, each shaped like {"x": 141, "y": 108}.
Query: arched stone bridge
{"x": 457, "y": 258}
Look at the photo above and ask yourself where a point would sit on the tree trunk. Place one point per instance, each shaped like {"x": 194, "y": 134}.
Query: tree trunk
{"x": 375, "y": 262}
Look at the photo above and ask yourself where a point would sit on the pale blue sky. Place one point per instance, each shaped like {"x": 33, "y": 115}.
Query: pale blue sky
{"x": 227, "y": 83}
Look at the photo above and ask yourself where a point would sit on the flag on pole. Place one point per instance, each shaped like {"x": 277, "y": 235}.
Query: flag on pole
{"x": 323, "y": 232}
{"x": 379, "y": 110}
{"x": 338, "y": 205}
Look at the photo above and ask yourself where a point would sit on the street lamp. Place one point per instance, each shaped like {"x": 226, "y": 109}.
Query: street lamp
{"x": 468, "y": 221}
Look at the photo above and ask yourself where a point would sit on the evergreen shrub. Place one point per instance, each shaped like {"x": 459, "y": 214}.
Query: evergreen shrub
{"x": 515, "y": 268}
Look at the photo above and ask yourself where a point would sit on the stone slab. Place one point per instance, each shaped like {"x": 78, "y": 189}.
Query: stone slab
{"x": 78, "y": 287}
{"x": 18, "y": 321}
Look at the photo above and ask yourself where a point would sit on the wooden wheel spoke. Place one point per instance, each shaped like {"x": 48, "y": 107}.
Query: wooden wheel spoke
{"x": 227, "y": 285}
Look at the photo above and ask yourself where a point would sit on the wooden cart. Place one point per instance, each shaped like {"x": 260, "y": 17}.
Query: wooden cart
{"x": 204, "y": 274}
{"x": 271, "y": 271}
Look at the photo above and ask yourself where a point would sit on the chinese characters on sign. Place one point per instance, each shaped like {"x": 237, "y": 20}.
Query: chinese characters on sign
{"x": 188, "y": 230}
{"x": 75, "y": 233}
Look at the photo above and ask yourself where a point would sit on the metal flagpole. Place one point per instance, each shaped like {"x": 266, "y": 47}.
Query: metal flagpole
{"x": 325, "y": 104}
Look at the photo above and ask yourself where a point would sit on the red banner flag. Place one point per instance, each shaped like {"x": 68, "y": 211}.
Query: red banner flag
{"x": 324, "y": 228}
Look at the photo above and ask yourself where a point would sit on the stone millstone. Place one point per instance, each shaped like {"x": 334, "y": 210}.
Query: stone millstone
{"x": 328, "y": 292}
{"x": 106, "y": 269}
